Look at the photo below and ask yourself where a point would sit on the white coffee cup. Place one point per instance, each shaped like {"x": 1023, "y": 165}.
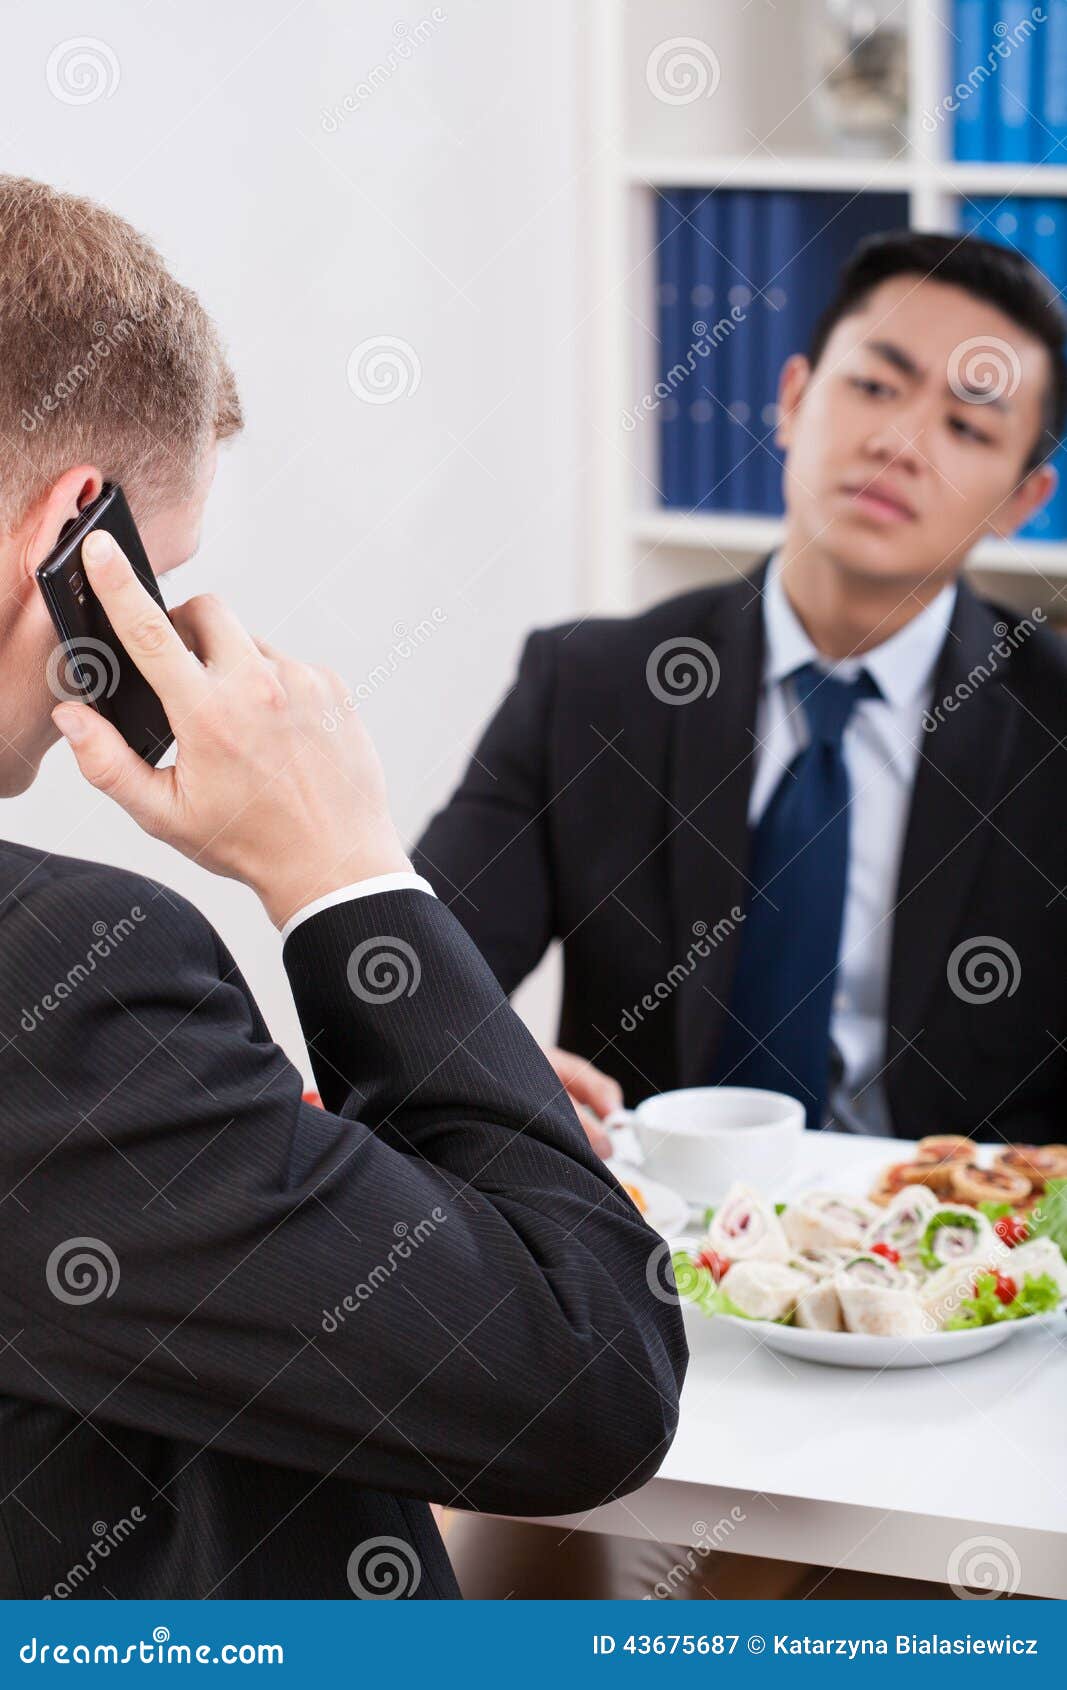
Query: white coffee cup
{"x": 704, "y": 1138}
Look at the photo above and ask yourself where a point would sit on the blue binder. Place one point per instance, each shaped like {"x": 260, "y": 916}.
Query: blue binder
{"x": 972, "y": 122}
{"x": 1017, "y": 136}
{"x": 739, "y": 442}
{"x": 785, "y": 236}
{"x": 707, "y": 306}
{"x": 672, "y": 232}
{"x": 1052, "y": 82}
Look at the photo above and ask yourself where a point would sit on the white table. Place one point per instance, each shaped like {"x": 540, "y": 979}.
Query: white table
{"x": 885, "y": 1472}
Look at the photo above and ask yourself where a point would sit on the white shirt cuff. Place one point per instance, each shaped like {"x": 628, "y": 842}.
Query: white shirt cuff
{"x": 398, "y": 882}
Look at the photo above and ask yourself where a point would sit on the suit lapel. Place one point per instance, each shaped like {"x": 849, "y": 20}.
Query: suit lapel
{"x": 962, "y": 765}
{"x": 712, "y": 743}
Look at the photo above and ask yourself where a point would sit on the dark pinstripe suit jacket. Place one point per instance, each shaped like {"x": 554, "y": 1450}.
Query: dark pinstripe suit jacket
{"x": 242, "y": 1340}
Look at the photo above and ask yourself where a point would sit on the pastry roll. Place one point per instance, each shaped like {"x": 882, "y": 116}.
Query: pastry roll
{"x": 745, "y": 1228}
{"x": 947, "y": 1147}
{"x": 879, "y": 1299}
{"x": 764, "y": 1290}
{"x": 825, "y": 1220}
{"x": 999, "y": 1184}
{"x": 1037, "y": 1162}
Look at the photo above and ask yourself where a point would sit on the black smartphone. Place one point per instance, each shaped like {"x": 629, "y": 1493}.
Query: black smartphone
{"x": 90, "y": 664}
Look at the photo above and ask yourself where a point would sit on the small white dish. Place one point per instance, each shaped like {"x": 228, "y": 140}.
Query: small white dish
{"x": 666, "y": 1212}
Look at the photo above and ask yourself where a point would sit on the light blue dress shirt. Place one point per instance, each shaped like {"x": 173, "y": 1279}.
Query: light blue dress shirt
{"x": 882, "y": 746}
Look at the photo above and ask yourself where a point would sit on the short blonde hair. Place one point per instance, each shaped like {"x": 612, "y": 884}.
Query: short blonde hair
{"x": 104, "y": 357}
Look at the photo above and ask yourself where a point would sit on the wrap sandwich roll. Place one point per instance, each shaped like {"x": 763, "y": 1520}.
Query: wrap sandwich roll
{"x": 818, "y": 1308}
{"x": 944, "y": 1293}
{"x": 745, "y": 1228}
{"x": 903, "y": 1221}
{"x": 1040, "y": 1255}
{"x": 764, "y": 1290}
{"x": 878, "y": 1298}
{"x": 955, "y": 1233}
{"x": 826, "y": 1220}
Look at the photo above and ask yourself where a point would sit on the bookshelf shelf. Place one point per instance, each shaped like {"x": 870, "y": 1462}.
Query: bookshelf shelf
{"x": 743, "y": 535}
{"x": 758, "y": 131}
{"x": 812, "y": 172}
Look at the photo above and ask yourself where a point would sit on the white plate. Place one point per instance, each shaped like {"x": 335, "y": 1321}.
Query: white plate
{"x": 858, "y": 1349}
{"x": 666, "y": 1211}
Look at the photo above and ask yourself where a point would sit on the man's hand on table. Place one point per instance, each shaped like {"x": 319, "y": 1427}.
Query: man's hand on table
{"x": 593, "y": 1093}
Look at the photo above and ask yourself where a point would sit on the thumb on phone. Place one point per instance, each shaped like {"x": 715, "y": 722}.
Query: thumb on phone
{"x": 112, "y": 766}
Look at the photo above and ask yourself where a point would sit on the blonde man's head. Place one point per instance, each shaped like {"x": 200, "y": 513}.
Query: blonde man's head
{"x": 110, "y": 370}
{"x": 104, "y": 357}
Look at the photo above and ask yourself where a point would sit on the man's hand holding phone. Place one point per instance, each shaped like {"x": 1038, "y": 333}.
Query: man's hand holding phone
{"x": 276, "y": 782}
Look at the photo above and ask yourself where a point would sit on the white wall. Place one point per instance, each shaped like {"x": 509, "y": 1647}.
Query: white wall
{"x": 443, "y": 211}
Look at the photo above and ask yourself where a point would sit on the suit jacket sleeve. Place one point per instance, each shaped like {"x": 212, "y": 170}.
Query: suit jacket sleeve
{"x": 432, "y": 1287}
{"x": 487, "y": 853}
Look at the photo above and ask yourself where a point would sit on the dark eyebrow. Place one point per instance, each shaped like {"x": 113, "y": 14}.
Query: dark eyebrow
{"x": 905, "y": 363}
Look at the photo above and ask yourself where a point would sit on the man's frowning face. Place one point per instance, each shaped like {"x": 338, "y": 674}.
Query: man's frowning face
{"x": 906, "y": 443}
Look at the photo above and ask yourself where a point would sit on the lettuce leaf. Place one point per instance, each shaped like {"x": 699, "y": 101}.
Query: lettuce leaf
{"x": 994, "y": 1212}
{"x": 1049, "y": 1218}
{"x": 1037, "y": 1294}
{"x": 696, "y": 1284}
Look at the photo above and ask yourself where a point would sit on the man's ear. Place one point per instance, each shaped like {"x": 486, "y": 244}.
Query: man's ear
{"x": 43, "y": 523}
{"x": 791, "y": 384}
{"x": 1032, "y": 492}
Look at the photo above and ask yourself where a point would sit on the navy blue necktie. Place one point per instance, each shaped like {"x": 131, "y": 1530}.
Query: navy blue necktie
{"x": 777, "y": 1032}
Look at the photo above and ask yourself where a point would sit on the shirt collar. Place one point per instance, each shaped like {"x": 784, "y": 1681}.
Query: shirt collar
{"x": 902, "y": 665}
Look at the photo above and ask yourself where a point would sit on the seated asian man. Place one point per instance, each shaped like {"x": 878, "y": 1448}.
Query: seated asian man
{"x": 845, "y": 772}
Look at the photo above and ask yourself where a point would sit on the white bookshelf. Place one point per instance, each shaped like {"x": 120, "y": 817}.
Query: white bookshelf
{"x": 758, "y": 131}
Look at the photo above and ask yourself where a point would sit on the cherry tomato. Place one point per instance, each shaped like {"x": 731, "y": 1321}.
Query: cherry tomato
{"x": 887, "y": 1251}
{"x": 1005, "y": 1287}
{"x": 1011, "y": 1229}
{"x": 712, "y": 1260}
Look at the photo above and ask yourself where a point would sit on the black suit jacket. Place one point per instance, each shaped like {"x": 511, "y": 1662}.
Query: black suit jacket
{"x": 605, "y": 814}
{"x": 243, "y": 1339}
